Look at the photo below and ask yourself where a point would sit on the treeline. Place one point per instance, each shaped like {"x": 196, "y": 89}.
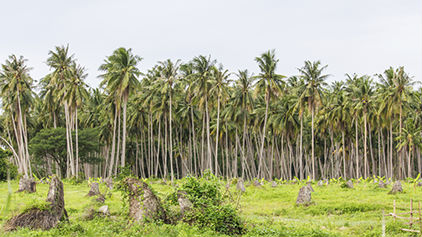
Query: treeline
{"x": 181, "y": 119}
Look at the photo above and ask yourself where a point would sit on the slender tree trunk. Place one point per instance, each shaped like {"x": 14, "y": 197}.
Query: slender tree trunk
{"x": 113, "y": 145}
{"x": 216, "y": 135}
{"x": 125, "y": 100}
{"x": 312, "y": 145}
{"x": 77, "y": 142}
{"x": 301, "y": 149}
{"x": 171, "y": 142}
{"x": 357, "y": 148}
{"x": 261, "y": 152}
{"x": 364, "y": 147}
{"x": 209, "y": 157}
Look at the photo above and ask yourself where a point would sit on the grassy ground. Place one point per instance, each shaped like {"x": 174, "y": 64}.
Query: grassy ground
{"x": 266, "y": 211}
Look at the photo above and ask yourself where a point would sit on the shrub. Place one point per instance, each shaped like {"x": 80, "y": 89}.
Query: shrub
{"x": 209, "y": 206}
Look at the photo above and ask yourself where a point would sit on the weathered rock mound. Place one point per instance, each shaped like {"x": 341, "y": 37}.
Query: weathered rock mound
{"x": 94, "y": 190}
{"x": 304, "y": 196}
{"x": 27, "y": 185}
{"x": 36, "y": 218}
{"x": 397, "y": 188}
{"x": 143, "y": 203}
{"x": 240, "y": 185}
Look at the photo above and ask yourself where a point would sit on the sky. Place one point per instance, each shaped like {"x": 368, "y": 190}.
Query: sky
{"x": 359, "y": 36}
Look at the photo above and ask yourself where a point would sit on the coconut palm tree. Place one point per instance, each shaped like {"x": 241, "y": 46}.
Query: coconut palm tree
{"x": 220, "y": 89}
{"x": 61, "y": 62}
{"x": 270, "y": 82}
{"x": 17, "y": 98}
{"x": 242, "y": 98}
{"x": 360, "y": 94}
{"x": 312, "y": 73}
{"x": 120, "y": 78}
{"x": 203, "y": 67}
{"x": 168, "y": 77}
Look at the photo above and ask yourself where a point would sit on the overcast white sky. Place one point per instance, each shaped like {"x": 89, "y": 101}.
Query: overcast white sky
{"x": 351, "y": 36}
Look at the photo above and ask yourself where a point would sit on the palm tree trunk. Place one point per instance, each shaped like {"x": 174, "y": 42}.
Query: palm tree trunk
{"x": 357, "y": 148}
{"x": 77, "y": 142}
{"x": 261, "y": 152}
{"x": 312, "y": 145}
{"x": 391, "y": 149}
{"x": 116, "y": 164}
{"x": 409, "y": 167}
{"x": 243, "y": 145}
{"x": 113, "y": 145}
{"x": 301, "y": 149}
{"x": 364, "y": 147}
{"x": 344, "y": 153}
{"x": 208, "y": 135}
{"x": 171, "y": 143}
{"x": 216, "y": 136}
{"x": 125, "y": 100}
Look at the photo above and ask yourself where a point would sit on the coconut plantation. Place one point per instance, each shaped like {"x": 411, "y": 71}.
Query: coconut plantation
{"x": 221, "y": 119}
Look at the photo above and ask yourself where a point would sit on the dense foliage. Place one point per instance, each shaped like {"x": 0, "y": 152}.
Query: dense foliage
{"x": 181, "y": 118}
{"x": 210, "y": 208}
{"x": 49, "y": 144}
{"x": 6, "y": 168}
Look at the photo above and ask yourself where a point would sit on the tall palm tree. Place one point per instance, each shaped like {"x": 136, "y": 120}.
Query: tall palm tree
{"x": 61, "y": 61}
{"x": 73, "y": 93}
{"x": 243, "y": 100}
{"x": 202, "y": 67}
{"x": 312, "y": 73}
{"x": 397, "y": 85}
{"x": 360, "y": 94}
{"x": 120, "y": 79}
{"x": 220, "y": 89}
{"x": 17, "y": 96}
{"x": 169, "y": 76}
{"x": 269, "y": 81}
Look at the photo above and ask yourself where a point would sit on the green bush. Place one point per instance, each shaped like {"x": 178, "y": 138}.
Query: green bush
{"x": 210, "y": 209}
{"x": 6, "y": 166}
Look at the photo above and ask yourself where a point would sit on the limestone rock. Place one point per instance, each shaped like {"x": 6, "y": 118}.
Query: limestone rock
{"x": 273, "y": 184}
{"x": 95, "y": 189}
{"x": 184, "y": 203}
{"x": 143, "y": 204}
{"x": 397, "y": 188}
{"x": 44, "y": 219}
{"x": 320, "y": 183}
{"x": 27, "y": 185}
{"x": 310, "y": 187}
{"x": 240, "y": 185}
{"x": 256, "y": 183}
{"x": 304, "y": 196}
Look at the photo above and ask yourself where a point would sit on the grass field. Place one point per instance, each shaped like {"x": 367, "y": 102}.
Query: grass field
{"x": 267, "y": 211}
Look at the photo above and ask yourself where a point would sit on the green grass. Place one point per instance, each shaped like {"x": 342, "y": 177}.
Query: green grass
{"x": 266, "y": 211}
